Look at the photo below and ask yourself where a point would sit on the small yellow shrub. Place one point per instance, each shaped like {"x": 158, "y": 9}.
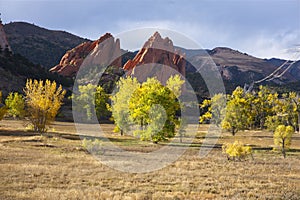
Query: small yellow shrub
{"x": 93, "y": 146}
{"x": 236, "y": 150}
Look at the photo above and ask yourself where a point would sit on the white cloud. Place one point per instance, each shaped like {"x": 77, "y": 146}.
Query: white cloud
{"x": 259, "y": 43}
{"x": 184, "y": 34}
{"x": 273, "y": 45}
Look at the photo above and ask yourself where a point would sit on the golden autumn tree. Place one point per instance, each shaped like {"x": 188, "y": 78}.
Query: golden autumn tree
{"x": 3, "y": 108}
{"x": 43, "y": 100}
{"x": 282, "y": 137}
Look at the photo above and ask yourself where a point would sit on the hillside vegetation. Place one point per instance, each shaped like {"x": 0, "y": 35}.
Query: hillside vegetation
{"x": 15, "y": 69}
{"x": 40, "y": 45}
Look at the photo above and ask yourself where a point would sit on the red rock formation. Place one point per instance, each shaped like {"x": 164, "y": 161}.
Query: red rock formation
{"x": 3, "y": 40}
{"x": 104, "y": 51}
{"x": 157, "y": 51}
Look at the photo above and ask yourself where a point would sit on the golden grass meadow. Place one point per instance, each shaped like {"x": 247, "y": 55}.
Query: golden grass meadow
{"x": 56, "y": 166}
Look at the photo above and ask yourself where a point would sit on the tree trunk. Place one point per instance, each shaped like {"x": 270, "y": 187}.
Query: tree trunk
{"x": 299, "y": 122}
{"x": 121, "y": 132}
{"x": 233, "y": 131}
{"x": 283, "y": 149}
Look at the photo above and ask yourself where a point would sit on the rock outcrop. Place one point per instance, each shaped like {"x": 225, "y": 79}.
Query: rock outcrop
{"x": 3, "y": 40}
{"x": 104, "y": 51}
{"x": 158, "y": 58}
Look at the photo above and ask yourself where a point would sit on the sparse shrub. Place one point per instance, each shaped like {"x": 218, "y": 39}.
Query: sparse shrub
{"x": 29, "y": 127}
{"x": 117, "y": 129}
{"x": 93, "y": 146}
{"x": 236, "y": 150}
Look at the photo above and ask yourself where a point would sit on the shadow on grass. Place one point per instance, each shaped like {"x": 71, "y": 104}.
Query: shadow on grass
{"x": 127, "y": 141}
{"x": 294, "y": 150}
{"x": 17, "y": 133}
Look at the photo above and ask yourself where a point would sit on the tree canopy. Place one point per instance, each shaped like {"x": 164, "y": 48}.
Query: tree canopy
{"x": 43, "y": 100}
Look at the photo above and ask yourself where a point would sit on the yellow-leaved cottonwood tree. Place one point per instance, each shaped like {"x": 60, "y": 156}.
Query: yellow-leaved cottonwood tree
{"x": 282, "y": 137}
{"x": 215, "y": 109}
{"x": 153, "y": 106}
{"x": 150, "y": 105}
{"x": 43, "y": 100}
{"x": 120, "y": 103}
{"x": 237, "y": 112}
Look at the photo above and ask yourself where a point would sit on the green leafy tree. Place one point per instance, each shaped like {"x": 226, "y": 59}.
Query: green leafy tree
{"x": 215, "y": 109}
{"x": 120, "y": 103}
{"x": 43, "y": 100}
{"x": 91, "y": 97}
{"x": 237, "y": 112}
{"x": 175, "y": 84}
{"x": 16, "y": 105}
{"x": 101, "y": 102}
{"x": 282, "y": 137}
{"x": 154, "y": 106}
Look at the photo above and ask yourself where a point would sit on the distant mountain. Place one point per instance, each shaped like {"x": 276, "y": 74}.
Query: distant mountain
{"x": 56, "y": 48}
{"x": 240, "y": 68}
{"x": 40, "y": 45}
{"x": 235, "y": 67}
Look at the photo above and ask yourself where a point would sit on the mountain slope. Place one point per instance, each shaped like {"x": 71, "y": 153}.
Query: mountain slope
{"x": 15, "y": 69}
{"x": 40, "y": 45}
{"x": 240, "y": 68}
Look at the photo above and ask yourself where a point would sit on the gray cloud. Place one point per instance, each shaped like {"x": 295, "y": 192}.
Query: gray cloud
{"x": 262, "y": 27}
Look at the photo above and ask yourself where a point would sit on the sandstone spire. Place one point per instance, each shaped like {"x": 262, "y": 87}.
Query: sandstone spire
{"x": 104, "y": 51}
{"x": 3, "y": 40}
{"x": 157, "y": 51}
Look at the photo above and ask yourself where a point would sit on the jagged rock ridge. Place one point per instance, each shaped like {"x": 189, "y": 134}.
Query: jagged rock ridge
{"x": 101, "y": 50}
{"x": 157, "y": 51}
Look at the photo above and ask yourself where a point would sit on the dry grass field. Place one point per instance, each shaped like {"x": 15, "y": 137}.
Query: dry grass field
{"x": 56, "y": 166}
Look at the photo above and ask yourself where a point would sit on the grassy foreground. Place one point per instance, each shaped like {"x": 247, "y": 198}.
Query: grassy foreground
{"x": 57, "y": 167}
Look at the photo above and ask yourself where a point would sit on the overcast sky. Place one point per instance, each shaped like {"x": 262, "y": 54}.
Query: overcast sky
{"x": 263, "y": 28}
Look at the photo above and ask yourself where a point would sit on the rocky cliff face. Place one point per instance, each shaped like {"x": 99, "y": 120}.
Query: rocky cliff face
{"x": 3, "y": 40}
{"x": 158, "y": 57}
{"x": 101, "y": 52}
